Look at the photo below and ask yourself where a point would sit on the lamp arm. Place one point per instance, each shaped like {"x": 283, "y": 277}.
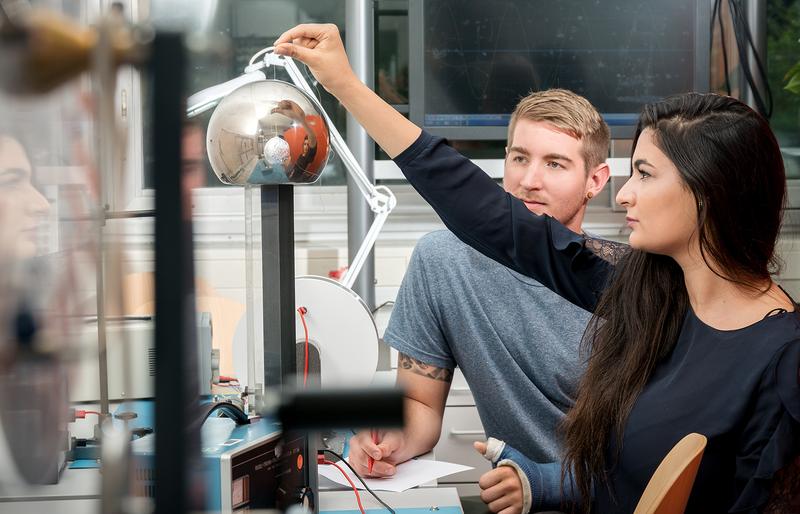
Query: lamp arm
{"x": 381, "y": 200}
{"x": 208, "y": 98}
{"x": 372, "y": 235}
{"x": 348, "y": 159}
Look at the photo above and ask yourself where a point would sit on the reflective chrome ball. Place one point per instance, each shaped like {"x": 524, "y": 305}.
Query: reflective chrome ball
{"x": 268, "y": 132}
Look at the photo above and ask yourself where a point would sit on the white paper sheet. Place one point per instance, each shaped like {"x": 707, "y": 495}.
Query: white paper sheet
{"x": 409, "y": 474}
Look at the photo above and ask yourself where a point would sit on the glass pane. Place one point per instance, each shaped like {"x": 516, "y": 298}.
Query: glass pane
{"x": 391, "y": 52}
{"x": 49, "y": 199}
{"x": 479, "y": 61}
{"x": 250, "y": 26}
{"x": 783, "y": 53}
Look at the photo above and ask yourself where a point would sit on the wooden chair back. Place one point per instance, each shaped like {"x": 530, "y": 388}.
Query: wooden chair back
{"x": 669, "y": 487}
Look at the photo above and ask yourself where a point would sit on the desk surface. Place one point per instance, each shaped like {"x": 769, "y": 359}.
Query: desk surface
{"x": 432, "y": 499}
{"x": 73, "y": 484}
{"x": 79, "y": 492}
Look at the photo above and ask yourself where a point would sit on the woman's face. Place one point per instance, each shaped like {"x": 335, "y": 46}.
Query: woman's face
{"x": 22, "y": 206}
{"x": 662, "y": 213}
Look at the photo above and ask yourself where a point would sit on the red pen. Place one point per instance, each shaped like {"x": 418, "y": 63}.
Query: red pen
{"x": 370, "y": 460}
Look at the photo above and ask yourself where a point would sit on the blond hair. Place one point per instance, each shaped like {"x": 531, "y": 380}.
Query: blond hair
{"x": 570, "y": 113}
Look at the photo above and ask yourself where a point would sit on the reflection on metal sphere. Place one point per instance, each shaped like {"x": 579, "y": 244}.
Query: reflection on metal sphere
{"x": 268, "y": 132}
{"x": 276, "y": 151}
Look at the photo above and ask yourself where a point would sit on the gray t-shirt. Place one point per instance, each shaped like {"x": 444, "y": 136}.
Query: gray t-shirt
{"x": 516, "y": 341}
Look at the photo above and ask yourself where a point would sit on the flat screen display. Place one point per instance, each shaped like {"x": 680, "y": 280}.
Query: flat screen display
{"x": 481, "y": 57}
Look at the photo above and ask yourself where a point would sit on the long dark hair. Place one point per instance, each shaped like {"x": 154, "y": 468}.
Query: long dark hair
{"x": 729, "y": 159}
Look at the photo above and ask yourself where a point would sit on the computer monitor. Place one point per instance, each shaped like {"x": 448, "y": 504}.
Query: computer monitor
{"x": 475, "y": 59}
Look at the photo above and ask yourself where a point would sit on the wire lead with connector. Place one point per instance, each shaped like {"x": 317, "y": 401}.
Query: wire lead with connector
{"x": 370, "y": 491}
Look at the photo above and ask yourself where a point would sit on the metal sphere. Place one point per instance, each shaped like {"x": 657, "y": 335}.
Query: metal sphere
{"x": 268, "y": 132}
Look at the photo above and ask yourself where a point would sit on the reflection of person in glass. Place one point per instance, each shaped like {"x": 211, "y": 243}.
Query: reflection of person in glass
{"x": 22, "y": 206}
{"x": 33, "y": 379}
{"x": 22, "y": 210}
{"x": 299, "y": 167}
{"x": 193, "y": 164}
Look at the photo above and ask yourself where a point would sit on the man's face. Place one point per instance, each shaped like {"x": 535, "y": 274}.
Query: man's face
{"x": 305, "y": 145}
{"x": 22, "y": 206}
{"x": 545, "y": 169}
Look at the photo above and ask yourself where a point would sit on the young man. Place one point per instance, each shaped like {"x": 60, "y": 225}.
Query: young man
{"x": 515, "y": 340}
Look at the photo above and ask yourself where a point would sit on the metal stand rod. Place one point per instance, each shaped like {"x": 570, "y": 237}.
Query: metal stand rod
{"x": 176, "y": 404}
{"x": 277, "y": 275}
{"x": 249, "y": 287}
{"x": 104, "y": 80}
{"x": 280, "y": 341}
{"x": 359, "y": 22}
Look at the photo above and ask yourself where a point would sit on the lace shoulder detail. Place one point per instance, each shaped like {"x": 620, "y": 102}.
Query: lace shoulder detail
{"x": 609, "y": 251}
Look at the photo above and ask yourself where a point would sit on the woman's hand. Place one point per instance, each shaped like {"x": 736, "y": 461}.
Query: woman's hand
{"x": 501, "y": 488}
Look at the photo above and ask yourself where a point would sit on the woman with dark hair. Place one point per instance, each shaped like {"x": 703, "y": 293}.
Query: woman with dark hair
{"x": 689, "y": 334}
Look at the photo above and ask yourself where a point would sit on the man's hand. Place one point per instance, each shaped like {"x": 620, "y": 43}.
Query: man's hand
{"x": 362, "y": 447}
{"x": 501, "y": 488}
{"x": 320, "y": 47}
{"x": 290, "y": 109}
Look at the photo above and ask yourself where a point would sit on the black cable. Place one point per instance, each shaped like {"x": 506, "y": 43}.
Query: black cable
{"x": 717, "y": 13}
{"x": 761, "y": 68}
{"x": 381, "y": 306}
{"x": 744, "y": 42}
{"x": 230, "y": 410}
{"x": 370, "y": 491}
{"x": 741, "y": 45}
{"x": 724, "y": 51}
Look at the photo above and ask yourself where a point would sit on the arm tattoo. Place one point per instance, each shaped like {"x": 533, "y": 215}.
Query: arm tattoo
{"x": 426, "y": 370}
{"x": 785, "y": 494}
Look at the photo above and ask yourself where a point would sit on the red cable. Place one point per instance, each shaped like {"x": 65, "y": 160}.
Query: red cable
{"x": 347, "y": 477}
{"x": 81, "y": 414}
{"x": 302, "y": 311}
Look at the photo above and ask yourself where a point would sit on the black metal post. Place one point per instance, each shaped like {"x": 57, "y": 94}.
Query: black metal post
{"x": 277, "y": 276}
{"x": 280, "y": 341}
{"x": 177, "y": 444}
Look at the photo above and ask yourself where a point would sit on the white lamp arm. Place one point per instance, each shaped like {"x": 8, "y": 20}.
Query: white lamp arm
{"x": 366, "y": 187}
{"x": 208, "y": 98}
{"x": 385, "y": 195}
{"x": 381, "y": 200}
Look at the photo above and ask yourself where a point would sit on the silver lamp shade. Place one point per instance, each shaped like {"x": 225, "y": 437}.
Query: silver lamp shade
{"x": 268, "y": 132}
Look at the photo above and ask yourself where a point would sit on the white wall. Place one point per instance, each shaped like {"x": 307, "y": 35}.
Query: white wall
{"x": 321, "y": 247}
